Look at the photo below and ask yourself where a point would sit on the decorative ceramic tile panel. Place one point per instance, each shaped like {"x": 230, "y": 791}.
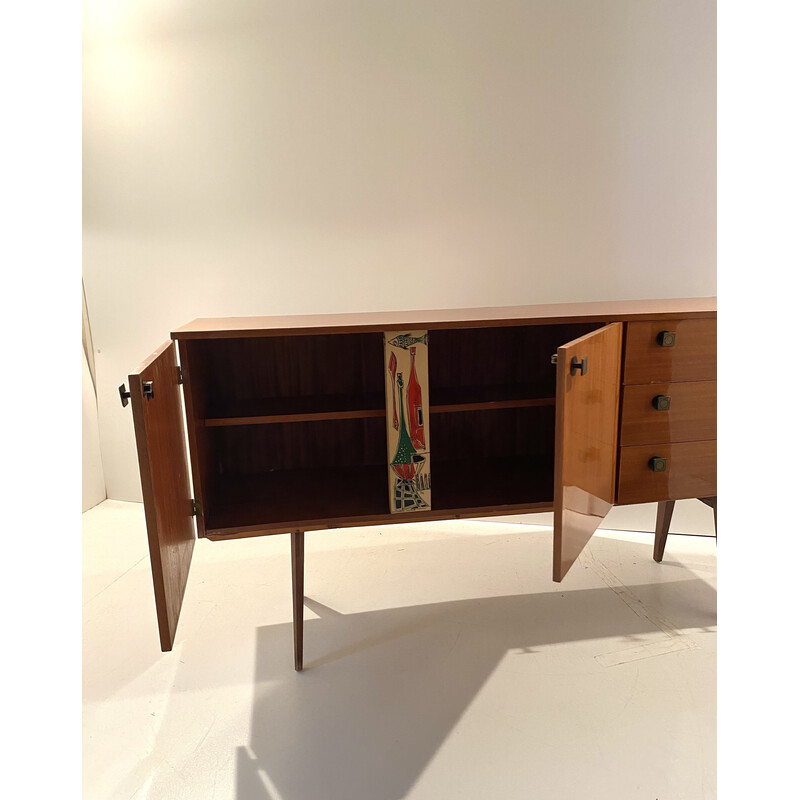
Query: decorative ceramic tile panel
{"x": 407, "y": 429}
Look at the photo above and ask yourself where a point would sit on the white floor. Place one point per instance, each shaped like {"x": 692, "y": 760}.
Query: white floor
{"x": 442, "y": 664}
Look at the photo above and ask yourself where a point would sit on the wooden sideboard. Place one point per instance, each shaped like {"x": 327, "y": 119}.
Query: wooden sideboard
{"x": 292, "y": 423}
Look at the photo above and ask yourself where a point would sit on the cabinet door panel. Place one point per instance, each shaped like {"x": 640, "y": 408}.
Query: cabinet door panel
{"x": 587, "y": 407}
{"x": 158, "y": 423}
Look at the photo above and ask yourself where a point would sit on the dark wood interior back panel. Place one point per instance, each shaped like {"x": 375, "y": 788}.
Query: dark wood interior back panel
{"x": 268, "y": 474}
{"x": 692, "y": 413}
{"x": 327, "y": 446}
{"x": 692, "y": 358}
{"x": 273, "y": 374}
{"x": 480, "y": 436}
{"x": 496, "y": 363}
{"x": 164, "y": 471}
{"x": 691, "y": 472}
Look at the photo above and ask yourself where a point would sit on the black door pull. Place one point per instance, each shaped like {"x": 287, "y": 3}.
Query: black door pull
{"x": 577, "y": 365}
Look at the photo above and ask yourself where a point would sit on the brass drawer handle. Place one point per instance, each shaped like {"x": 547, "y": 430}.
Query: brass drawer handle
{"x": 666, "y": 338}
{"x": 657, "y": 464}
{"x": 661, "y": 402}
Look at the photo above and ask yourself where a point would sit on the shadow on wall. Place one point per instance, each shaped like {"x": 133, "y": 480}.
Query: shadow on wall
{"x": 383, "y": 689}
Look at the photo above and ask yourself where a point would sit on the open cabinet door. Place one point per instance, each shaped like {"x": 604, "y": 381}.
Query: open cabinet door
{"x": 158, "y": 422}
{"x": 587, "y": 403}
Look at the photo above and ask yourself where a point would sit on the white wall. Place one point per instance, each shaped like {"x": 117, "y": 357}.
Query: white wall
{"x": 93, "y": 481}
{"x": 93, "y": 485}
{"x": 299, "y": 156}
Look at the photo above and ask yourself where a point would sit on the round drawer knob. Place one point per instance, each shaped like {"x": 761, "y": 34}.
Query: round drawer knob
{"x": 661, "y": 402}
{"x": 657, "y": 464}
{"x": 666, "y": 338}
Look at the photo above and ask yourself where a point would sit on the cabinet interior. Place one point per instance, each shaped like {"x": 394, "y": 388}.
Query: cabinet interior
{"x": 292, "y": 429}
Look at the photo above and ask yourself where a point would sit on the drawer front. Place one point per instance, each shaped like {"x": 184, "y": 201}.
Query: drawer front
{"x": 691, "y": 415}
{"x": 691, "y": 471}
{"x": 691, "y": 357}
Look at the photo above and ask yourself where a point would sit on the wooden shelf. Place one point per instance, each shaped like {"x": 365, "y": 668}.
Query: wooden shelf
{"x": 492, "y": 405}
{"x": 320, "y": 498}
{"x": 296, "y": 409}
{"x": 317, "y": 408}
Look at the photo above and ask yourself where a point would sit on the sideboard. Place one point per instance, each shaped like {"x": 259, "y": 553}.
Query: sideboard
{"x": 301, "y": 423}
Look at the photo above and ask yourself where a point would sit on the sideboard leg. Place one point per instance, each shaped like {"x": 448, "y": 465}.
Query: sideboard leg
{"x": 298, "y": 557}
{"x": 712, "y": 501}
{"x": 663, "y": 519}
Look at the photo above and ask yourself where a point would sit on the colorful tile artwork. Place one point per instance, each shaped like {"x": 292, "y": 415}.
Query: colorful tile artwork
{"x": 407, "y": 429}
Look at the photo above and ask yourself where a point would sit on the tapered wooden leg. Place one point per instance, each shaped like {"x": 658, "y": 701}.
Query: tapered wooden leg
{"x": 663, "y": 519}
{"x": 298, "y": 557}
{"x": 712, "y": 501}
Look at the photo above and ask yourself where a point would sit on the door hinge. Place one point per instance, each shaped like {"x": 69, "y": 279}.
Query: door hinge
{"x": 181, "y": 377}
{"x": 197, "y": 510}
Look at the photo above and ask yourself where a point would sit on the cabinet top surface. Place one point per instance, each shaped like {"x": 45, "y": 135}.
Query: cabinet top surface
{"x": 599, "y": 311}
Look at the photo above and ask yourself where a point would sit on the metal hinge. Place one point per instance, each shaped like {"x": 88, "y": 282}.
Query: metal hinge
{"x": 181, "y": 378}
{"x": 197, "y": 511}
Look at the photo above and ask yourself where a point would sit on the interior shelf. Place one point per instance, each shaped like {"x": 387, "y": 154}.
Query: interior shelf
{"x": 316, "y": 496}
{"x": 331, "y": 407}
{"x": 297, "y": 409}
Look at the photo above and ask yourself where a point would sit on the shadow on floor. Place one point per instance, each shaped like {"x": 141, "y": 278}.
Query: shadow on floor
{"x": 383, "y": 689}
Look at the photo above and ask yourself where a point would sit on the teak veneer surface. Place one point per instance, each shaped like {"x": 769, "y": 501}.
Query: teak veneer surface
{"x": 587, "y": 407}
{"x": 164, "y": 473}
{"x": 603, "y": 311}
{"x": 691, "y": 472}
{"x": 692, "y": 358}
{"x": 692, "y": 415}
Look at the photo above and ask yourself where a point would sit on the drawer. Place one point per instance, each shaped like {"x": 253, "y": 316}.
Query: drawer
{"x": 691, "y": 416}
{"x": 691, "y": 471}
{"x": 691, "y": 357}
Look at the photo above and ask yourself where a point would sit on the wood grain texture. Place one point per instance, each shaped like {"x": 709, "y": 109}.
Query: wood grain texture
{"x": 313, "y": 499}
{"x": 269, "y": 529}
{"x": 604, "y": 311}
{"x": 587, "y": 409}
{"x": 298, "y": 583}
{"x": 194, "y": 395}
{"x": 692, "y": 358}
{"x": 158, "y": 423}
{"x": 692, "y": 415}
{"x": 691, "y": 472}
{"x": 663, "y": 519}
